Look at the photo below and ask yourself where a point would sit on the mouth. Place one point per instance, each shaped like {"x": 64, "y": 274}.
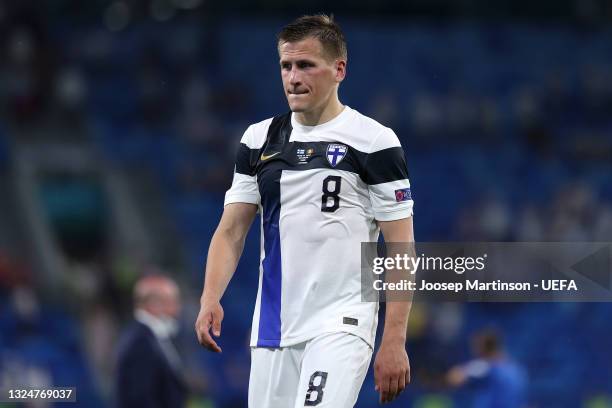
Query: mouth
{"x": 297, "y": 93}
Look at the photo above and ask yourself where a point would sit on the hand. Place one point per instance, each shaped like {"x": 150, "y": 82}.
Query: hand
{"x": 210, "y": 316}
{"x": 391, "y": 370}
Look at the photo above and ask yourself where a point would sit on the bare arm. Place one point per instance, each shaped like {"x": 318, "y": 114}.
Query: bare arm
{"x": 392, "y": 367}
{"x": 223, "y": 255}
{"x": 396, "y": 316}
{"x": 225, "y": 249}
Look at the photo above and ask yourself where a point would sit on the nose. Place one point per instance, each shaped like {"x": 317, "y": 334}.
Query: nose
{"x": 294, "y": 78}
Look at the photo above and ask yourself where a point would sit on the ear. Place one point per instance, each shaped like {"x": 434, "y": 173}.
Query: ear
{"x": 340, "y": 66}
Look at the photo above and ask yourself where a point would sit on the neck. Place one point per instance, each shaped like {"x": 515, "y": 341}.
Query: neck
{"x": 320, "y": 115}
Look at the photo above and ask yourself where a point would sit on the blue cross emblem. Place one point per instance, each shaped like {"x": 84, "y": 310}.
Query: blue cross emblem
{"x": 335, "y": 153}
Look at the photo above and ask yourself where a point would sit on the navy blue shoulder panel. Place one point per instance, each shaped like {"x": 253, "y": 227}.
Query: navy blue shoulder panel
{"x": 279, "y": 131}
{"x": 278, "y": 134}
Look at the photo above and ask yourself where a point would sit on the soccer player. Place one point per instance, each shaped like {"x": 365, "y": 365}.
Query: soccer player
{"x": 493, "y": 378}
{"x": 324, "y": 178}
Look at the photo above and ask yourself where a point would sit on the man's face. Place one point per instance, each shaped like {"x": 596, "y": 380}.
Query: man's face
{"x": 165, "y": 301}
{"x": 309, "y": 75}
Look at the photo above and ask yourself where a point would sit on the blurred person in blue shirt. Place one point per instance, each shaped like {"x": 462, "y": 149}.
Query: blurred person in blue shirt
{"x": 493, "y": 379}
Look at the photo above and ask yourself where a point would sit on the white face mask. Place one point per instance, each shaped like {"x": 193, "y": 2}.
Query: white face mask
{"x": 26, "y": 303}
{"x": 162, "y": 326}
{"x": 170, "y": 325}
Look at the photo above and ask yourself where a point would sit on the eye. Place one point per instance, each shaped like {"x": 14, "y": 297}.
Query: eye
{"x": 304, "y": 64}
{"x": 286, "y": 66}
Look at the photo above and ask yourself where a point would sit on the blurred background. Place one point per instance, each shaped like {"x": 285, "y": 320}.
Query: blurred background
{"x": 118, "y": 127}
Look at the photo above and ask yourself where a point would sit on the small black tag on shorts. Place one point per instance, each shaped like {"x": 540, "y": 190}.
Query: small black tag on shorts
{"x": 350, "y": 320}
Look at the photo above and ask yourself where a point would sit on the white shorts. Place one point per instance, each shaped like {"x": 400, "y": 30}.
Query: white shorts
{"x": 326, "y": 371}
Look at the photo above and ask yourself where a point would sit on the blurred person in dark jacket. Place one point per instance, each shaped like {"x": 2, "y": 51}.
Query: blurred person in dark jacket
{"x": 494, "y": 379}
{"x": 149, "y": 370}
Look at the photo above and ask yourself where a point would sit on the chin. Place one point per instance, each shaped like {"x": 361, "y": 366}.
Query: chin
{"x": 297, "y": 107}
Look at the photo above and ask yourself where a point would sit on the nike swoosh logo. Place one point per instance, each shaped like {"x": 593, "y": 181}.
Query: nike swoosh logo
{"x": 264, "y": 157}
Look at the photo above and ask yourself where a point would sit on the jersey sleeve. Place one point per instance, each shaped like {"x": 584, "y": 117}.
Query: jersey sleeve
{"x": 387, "y": 177}
{"x": 244, "y": 187}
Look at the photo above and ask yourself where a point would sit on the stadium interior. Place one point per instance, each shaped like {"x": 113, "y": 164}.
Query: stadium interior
{"x": 118, "y": 128}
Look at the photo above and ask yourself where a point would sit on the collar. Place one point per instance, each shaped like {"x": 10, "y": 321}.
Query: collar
{"x": 339, "y": 118}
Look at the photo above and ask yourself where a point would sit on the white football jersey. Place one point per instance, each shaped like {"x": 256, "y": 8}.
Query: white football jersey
{"x": 320, "y": 190}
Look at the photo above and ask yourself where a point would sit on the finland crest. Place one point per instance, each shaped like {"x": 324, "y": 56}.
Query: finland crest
{"x": 335, "y": 153}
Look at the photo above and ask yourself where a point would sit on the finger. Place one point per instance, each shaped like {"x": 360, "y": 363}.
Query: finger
{"x": 376, "y": 379}
{"x": 208, "y": 342}
{"x": 199, "y": 331}
{"x": 408, "y": 376}
{"x": 393, "y": 387}
{"x": 384, "y": 392}
{"x": 198, "y": 335}
{"x": 377, "y": 385}
{"x": 216, "y": 324}
{"x": 401, "y": 384}
{"x": 204, "y": 337}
